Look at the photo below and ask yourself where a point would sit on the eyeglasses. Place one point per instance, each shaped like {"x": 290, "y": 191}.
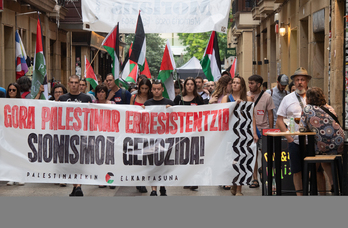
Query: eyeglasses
{"x": 58, "y": 91}
{"x": 12, "y": 90}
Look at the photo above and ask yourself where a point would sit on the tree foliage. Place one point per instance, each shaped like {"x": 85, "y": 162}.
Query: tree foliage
{"x": 154, "y": 50}
{"x": 197, "y": 42}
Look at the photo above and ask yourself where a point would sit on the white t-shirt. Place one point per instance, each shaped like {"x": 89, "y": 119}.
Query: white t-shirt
{"x": 290, "y": 107}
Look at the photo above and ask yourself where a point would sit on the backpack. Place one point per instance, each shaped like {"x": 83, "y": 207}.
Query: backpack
{"x": 123, "y": 96}
{"x": 25, "y": 94}
{"x": 285, "y": 92}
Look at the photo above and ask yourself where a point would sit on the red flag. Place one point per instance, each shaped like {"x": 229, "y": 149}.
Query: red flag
{"x": 233, "y": 68}
{"x": 146, "y": 70}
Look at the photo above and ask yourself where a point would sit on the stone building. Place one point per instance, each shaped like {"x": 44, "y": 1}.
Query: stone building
{"x": 88, "y": 43}
{"x": 296, "y": 33}
{"x": 22, "y": 15}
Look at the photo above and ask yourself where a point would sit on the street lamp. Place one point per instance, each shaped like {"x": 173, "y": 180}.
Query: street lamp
{"x": 282, "y": 30}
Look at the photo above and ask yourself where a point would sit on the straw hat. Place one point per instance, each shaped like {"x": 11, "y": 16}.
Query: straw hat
{"x": 301, "y": 72}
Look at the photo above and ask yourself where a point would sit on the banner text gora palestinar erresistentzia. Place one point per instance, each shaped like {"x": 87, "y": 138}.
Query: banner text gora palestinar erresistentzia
{"x": 92, "y": 149}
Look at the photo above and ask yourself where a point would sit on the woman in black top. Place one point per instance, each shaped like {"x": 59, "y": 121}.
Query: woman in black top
{"x": 189, "y": 97}
{"x": 189, "y": 94}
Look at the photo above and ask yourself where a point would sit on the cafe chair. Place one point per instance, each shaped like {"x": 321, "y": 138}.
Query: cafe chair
{"x": 336, "y": 167}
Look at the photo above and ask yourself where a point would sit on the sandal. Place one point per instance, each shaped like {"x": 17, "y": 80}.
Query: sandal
{"x": 254, "y": 184}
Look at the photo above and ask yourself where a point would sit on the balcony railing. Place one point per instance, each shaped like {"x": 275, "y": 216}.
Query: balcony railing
{"x": 242, "y": 6}
{"x": 256, "y": 3}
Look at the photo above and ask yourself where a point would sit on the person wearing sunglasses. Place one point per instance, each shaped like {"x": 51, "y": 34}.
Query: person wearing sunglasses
{"x": 13, "y": 91}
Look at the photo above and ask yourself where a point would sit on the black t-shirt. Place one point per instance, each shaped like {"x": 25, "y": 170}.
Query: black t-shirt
{"x": 164, "y": 101}
{"x": 195, "y": 101}
{"x": 82, "y": 98}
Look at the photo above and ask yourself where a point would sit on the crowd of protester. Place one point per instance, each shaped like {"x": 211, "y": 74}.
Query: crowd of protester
{"x": 271, "y": 109}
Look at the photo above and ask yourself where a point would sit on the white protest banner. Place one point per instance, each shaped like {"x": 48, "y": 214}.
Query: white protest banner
{"x": 125, "y": 145}
{"x": 159, "y": 16}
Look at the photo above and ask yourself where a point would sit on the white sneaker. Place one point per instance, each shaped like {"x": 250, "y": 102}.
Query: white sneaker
{"x": 21, "y": 183}
{"x": 10, "y": 183}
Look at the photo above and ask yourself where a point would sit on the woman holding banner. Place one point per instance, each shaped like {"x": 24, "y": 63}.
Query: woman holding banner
{"x": 223, "y": 87}
{"x": 144, "y": 93}
{"x": 191, "y": 97}
{"x": 101, "y": 92}
{"x": 57, "y": 91}
{"x": 238, "y": 95}
{"x": 13, "y": 91}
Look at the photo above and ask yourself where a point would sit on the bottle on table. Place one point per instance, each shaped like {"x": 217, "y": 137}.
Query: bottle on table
{"x": 292, "y": 125}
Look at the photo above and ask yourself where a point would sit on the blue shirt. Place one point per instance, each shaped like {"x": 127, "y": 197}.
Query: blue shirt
{"x": 277, "y": 97}
{"x": 122, "y": 97}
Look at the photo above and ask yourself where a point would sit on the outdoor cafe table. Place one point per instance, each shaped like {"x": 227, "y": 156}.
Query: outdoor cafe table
{"x": 310, "y": 151}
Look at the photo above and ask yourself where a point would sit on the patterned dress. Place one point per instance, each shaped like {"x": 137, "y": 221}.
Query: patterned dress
{"x": 329, "y": 136}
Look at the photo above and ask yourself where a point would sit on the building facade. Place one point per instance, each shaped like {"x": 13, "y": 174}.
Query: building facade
{"x": 86, "y": 43}
{"x": 299, "y": 33}
{"x": 22, "y": 16}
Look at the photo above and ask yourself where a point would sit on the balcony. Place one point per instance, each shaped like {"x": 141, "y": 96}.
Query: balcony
{"x": 255, "y": 12}
{"x": 239, "y": 6}
{"x": 242, "y": 15}
{"x": 265, "y": 6}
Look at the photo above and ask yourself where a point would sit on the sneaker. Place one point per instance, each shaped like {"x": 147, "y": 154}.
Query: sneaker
{"x": 142, "y": 189}
{"x": 21, "y": 183}
{"x": 73, "y": 192}
{"x": 10, "y": 183}
{"x": 153, "y": 193}
{"x": 112, "y": 187}
{"x": 62, "y": 185}
{"x": 187, "y": 187}
{"x": 163, "y": 191}
{"x": 102, "y": 186}
{"x": 78, "y": 192}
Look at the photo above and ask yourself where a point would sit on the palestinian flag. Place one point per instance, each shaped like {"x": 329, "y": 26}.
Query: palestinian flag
{"x": 146, "y": 70}
{"x": 39, "y": 71}
{"x": 166, "y": 70}
{"x": 90, "y": 75}
{"x": 232, "y": 69}
{"x": 128, "y": 68}
{"x": 133, "y": 75}
{"x": 210, "y": 63}
{"x": 111, "y": 44}
{"x": 139, "y": 45}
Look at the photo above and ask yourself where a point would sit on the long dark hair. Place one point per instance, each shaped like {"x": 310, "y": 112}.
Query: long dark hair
{"x": 184, "y": 92}
{"x": 146, "y": 82}
{"x": 243, "y": 92}
{"x": 18, "y": 94}
{"x": 54, "y": 88}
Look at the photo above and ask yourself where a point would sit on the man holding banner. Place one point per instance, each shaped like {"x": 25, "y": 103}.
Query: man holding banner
{"x": 75, "y": 96}
{"x": 158, "y": 99}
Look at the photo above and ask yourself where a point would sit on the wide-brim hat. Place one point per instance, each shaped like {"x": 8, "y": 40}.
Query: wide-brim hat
{"x": 301, "y": 72}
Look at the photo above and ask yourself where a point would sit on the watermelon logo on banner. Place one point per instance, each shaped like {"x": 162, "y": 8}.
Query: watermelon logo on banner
{"x": 109, "y": 178}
